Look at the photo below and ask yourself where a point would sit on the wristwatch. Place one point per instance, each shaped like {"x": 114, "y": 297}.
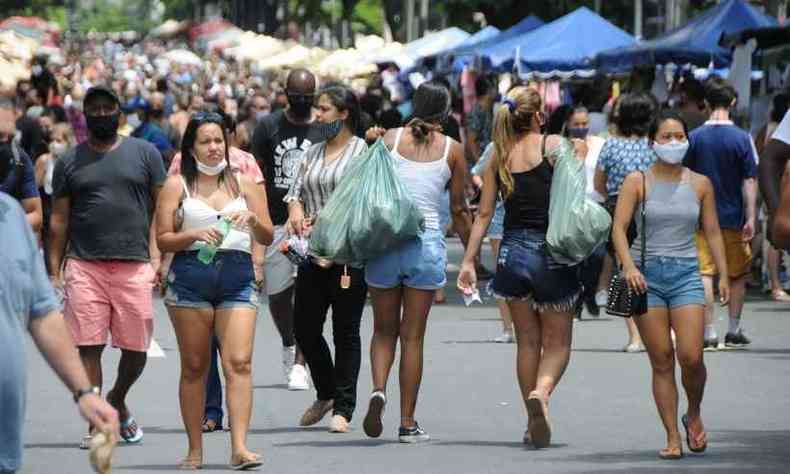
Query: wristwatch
{"x": 84, "y": 391}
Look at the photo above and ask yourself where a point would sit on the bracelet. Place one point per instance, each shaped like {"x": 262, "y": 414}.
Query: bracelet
{"x": 85, "y": 391}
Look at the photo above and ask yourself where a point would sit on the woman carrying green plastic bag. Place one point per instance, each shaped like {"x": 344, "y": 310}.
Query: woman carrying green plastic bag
{"x": 577, "y": 224}
{"x": 369, "y": 212}
{"x": 403, "y": 281}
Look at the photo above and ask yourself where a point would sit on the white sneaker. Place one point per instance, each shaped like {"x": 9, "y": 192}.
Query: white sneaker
{"x": 297, "y": 379}
{"x": 601, "y": 297}
{"x": 505, "y": 338}
{"x": 289, "y": 355}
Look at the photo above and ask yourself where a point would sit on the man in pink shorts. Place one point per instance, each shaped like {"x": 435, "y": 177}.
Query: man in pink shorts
{"x": 104, "y": 194}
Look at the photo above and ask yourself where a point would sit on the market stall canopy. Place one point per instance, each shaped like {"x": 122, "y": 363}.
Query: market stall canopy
{"x": 466, "y": 53}
{"x": 696, "y": 43}
{"x": 253, "y": 46}
{"x": 169, "y": 28}
{"x": 428, "y": 45}
{"x": 32, "y": 27}
{"x": 218, "y": 31}
{"x": 565, "y": 47}
{"x": 767, "y": 38}
{"x": 184, "y": 56}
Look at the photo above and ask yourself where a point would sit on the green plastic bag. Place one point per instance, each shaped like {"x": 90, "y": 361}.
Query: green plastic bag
{"x": 369, "y": 213}
{"x": 577, "y": 224}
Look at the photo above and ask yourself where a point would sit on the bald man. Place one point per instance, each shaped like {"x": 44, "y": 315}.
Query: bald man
{"x": 278, "y": 143}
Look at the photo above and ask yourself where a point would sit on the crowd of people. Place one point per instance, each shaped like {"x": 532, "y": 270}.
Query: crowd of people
{"x": 134, "y": 175}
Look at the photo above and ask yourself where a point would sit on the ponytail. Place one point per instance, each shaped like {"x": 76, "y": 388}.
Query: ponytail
{"x": 512, "y": 118}
{"x": 421, "y": 130}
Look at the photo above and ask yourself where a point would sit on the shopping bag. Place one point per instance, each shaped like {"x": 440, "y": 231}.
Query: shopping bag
{"x": 577, "y": 224}
{"x": 369, "y": 213}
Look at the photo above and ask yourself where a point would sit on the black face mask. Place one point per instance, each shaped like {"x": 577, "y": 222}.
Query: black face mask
{"x": 103, "y": 127}
{"x": 156, "y": 114}
{"x": 300, "y": 105}
{"x": 6, "y": 160}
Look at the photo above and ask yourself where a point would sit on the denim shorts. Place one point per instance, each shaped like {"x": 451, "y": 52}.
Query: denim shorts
{"x": 673, "y": 282}
{"x": 419, "y": 263}
{"x": 526, "y": 271}
{"x": 227, "y": 282}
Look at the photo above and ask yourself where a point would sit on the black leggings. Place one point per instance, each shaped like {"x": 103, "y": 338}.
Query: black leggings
{"x": 318, "y": 289}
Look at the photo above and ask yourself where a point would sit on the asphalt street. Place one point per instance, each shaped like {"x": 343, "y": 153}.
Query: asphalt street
{"x": 603, "y": 415}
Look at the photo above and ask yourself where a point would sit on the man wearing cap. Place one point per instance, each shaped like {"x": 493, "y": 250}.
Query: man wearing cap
{"x": 104, "y": 193}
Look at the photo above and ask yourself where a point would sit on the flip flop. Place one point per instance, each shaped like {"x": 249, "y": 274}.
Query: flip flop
{"x": 190, "y": 465}
{"x": 85, "y": 442}
{"x": 128, "y": 435}
{"x": 668, "y": 455}
{"x": 247, "y": 464}
{"x": 698, "y": 449}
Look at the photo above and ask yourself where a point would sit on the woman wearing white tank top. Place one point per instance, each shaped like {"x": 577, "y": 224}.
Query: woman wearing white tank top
{"x": 403, "y": 282}
{"x": 218, "y": 296}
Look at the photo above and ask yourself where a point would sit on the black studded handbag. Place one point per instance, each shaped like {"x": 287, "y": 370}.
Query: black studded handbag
{"x": 622, "y": 300}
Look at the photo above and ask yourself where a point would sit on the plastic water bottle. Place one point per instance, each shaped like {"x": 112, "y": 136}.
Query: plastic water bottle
{"x": 207, "y": 251}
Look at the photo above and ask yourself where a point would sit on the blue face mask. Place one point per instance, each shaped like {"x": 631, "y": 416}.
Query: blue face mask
{"x": 580, "y": 132}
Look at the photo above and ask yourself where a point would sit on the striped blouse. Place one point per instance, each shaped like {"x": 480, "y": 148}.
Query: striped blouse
{"x": 316, "y": 179}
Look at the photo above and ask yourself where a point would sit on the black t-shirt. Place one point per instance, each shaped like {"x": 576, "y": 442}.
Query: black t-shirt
{"x": 43, "y": 83}
{"x": 111, "y": 199}
{"x": 278, "y": 146}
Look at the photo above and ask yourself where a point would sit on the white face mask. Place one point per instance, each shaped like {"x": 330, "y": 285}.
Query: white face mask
{"x": 58, "y": 149}
{"x": 211, "y": 170}
{"x": 671, "y": 153}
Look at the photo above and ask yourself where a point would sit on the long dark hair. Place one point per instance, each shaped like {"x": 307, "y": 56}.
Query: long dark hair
{"x": 188, "y": 165}
{"x": 344, "y": 99}
{"x": 432, "y": 103}
{"x": 636, "y": 113}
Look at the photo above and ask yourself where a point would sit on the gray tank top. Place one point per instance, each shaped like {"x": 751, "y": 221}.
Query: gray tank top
{"x": 672, "y": 218}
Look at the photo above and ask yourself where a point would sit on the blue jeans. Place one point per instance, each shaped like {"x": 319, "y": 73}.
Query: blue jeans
{"x": 214, "y": 386}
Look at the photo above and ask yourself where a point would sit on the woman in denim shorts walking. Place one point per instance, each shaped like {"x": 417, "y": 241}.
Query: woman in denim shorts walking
{"x": 676, "y": 201}
{"x": 541, "y": 294}
{"x": 403, "y": 281}
{"x": 215, "y": 296}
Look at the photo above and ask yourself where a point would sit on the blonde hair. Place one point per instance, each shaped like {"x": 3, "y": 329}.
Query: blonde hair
{"x": 67, "y": 132}
{"x": 513, "y": 118}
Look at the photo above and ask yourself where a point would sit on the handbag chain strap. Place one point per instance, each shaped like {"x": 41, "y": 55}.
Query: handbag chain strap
{"x": 643, "y": 233}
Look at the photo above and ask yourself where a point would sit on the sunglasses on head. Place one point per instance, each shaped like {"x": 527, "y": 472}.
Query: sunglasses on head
{"x": 212, "y": 117}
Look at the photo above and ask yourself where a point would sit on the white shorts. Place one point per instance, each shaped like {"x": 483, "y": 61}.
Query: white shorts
{"x": 279, "y": 273}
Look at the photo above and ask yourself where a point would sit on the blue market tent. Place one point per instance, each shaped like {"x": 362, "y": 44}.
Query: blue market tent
{"x": 696, "y": 43}
{"x": 465, "y": 54}
{"x": 565, "y": 47}
{"x": 485, "y": 34}
{"x": 428, "y": 45}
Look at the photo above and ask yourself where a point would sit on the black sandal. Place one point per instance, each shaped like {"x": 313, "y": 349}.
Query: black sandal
{"x": 210, "y": 425}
